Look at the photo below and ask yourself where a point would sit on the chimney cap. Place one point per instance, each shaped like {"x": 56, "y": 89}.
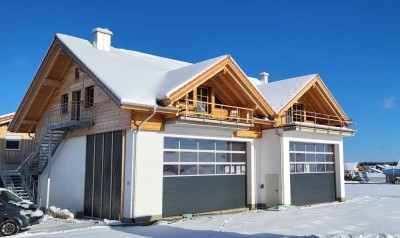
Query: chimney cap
{"x": 264, "y": 74}
{"x": 102, "y": 30}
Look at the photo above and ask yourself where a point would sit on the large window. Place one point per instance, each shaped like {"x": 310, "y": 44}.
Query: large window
{"x": 202, "y": 99}
{"x": 13, "y": 142}
{"x": 203, "y": 157}
{"x": 311, "y": 158}
{"x": 89, "y": 97}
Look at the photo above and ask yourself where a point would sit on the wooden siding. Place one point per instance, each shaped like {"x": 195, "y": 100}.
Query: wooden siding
{"x": 107, "y": 115}
{"x": 13, "y": 157}
{"x": 156, "y": 123}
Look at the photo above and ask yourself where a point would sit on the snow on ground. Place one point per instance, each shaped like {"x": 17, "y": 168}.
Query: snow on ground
{"x": 372, "y": 210}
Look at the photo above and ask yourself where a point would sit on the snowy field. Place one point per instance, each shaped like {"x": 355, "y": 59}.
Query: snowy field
{"x": 371, "y": 210}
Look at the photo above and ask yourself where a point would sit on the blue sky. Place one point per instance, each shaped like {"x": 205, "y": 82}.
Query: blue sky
{"x": 353, "y": 45}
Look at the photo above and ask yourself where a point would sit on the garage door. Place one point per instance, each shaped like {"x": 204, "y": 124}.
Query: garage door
{"x": 312, "y": 178}
{"x": 203, "y": 175}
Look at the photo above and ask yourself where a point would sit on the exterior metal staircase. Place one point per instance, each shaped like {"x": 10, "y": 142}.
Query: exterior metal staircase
{"x": 49, "y": 135}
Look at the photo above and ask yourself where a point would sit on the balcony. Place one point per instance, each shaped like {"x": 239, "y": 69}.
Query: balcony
{"x": 302, "y": 120}
{"x": 214, "y": 114}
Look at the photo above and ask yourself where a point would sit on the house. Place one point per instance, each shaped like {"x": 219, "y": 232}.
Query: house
{"x": 351, "y": 167}
{"x": 126, "y": 135}
{"x": 13, "y": 147}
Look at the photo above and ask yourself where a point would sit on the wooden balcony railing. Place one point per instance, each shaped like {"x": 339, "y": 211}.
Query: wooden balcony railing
{"x": 306, "y": 117}
{"x": 214, "y": 111}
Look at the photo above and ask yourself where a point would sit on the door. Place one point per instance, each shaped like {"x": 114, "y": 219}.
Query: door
{"x": 103, "y": 178}
{"x": 76, "y": 106}
{"x": 271, "y": 190}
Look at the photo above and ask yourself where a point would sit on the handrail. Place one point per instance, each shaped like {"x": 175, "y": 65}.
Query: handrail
{"x": 59, "y": 116}
{"x": 302, "y": 116}
{"x": 221, "y": 112}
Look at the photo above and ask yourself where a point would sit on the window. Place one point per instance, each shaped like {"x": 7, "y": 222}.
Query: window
{"x": 295, "y": 113}
{"x": 89, "y": 97}
{"x": 202, "y": 100}
{"x": 311, "y": 158}
{"x": 64, "y": 104}
{"x": 203, "y": 157}
{"x": 13, "y": 141}
{"x": 76, "y": 73}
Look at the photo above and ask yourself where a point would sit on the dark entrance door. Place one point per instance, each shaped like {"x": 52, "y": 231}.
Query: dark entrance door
{"x": 103, "y": 178}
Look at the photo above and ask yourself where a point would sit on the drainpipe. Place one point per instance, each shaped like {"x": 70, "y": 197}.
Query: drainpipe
{"x": 134, "y": 162}
{"x": 282, "y": 166}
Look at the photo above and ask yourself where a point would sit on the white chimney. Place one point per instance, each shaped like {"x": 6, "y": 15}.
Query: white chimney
{"x": 102, "y": 38}
{"x": 264, "y": 77}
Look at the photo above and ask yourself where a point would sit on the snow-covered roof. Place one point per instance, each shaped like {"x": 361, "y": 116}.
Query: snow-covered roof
{"x": 132, "y": 76}
{"x": 6, "y": 118}
{"x": 281, "y": 92}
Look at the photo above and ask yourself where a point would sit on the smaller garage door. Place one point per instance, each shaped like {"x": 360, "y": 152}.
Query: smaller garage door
{"x": 203, "y": 175}
{"x": 312, "y": 178}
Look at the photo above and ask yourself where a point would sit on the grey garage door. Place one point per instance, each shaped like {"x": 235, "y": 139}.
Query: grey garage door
{"x": 203, "y": 175}
{"x": 312, "y": 178}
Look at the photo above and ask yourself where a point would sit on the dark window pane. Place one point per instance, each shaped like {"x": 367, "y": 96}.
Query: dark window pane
{"x": 206, "y": 157}
{"x": 320, "y": 147}
{"x": 206, "y": 145}
{"x": 12, "y": 145}
{"x": 223, "y": 157}
{"x": 320, "y": 158}
{"x": 291, "y": 145}
{"x": 171, "y": 143}
{"x": 222, "y": 145}
{"x": 171, "y": 156}
{"x": 300, "y": 146}
{"x": 310, "y": 157}
{"x": 170, "y": 169}
{"x": 238, "y": 146}
{"x": 238, "y": 157}
{"x": 292, "y": 168}
{"x": 188, "y": 169}
{"x": 330, "y": 168}
{"x": 223, "y": 169}
{"x": 329, "y": 158}
{"x": 188, "y": 157}
{"x": 320, "y": 168}
{"x": 206, "y": 169}
{"x": 292, "y": 157}
{"x": 300, "y": 157}
{"x": 299, "y": 168}
{"x": 188, "y": 144}
{"x": 310, "y": 147}
{"x": 313, "y": 168}
{"x": 328, "y": 148}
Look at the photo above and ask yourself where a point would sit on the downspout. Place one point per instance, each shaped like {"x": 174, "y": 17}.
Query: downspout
{"x": 282, "y": 166}
{"x": 135, "y": 152}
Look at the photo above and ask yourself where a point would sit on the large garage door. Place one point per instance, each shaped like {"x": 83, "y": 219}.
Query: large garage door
{"x": 103, "y": 175}
{"x": 312, "y": 178}
{"x": 203, "y": 175}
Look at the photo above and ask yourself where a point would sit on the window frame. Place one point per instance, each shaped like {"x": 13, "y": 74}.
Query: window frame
{"x": 13, "y": 138}
{"x": 64, "y": 104}
{"x": 239, "y": 168}
{"x": 307, "y": 164}
{"x": 89, "y": 97}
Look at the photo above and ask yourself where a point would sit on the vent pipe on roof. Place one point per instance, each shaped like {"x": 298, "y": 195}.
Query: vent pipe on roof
{"x": 102, "y": 38}
{"x": 264, "y": 77}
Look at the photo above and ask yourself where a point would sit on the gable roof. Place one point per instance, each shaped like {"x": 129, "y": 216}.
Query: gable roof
{"x": 280, "y": 93}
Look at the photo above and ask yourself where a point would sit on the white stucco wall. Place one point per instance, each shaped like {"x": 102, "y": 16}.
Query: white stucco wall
{"x": 67, "y": 180}
{"x": 272, "y": 146}
{"x": 148, "y": 187}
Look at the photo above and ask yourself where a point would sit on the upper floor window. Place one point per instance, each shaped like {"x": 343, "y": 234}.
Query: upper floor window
{"x": 203, "y": 96}
{"x": 64, "y": 104}
{"x": 295, "y": 113}
{"x": 76, "y": 73}
{"x": 13, "y": 142}
{"x": 89, "y": 97}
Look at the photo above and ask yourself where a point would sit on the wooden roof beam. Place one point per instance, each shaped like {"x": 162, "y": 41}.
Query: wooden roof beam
{"x": 52, "y": 82}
